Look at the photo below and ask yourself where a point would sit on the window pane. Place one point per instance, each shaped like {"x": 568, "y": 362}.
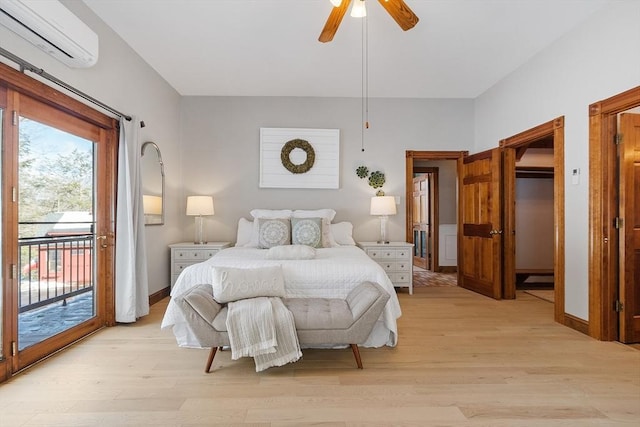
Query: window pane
{"x": 55, "y": 231}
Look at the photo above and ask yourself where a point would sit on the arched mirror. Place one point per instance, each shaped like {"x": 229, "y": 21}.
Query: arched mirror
{"x": 152, "y": 174}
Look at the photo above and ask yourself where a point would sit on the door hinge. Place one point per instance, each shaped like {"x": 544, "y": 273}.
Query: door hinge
{"x": 14, "y": 349}
{"x": 14, "y": 272}
{"x": 617, "y": 139}
{"x": 618, "y": 306}
{"x": 14, "y": 119}
{"x": 618, "y": 222}
{"x": 14, "y": 195}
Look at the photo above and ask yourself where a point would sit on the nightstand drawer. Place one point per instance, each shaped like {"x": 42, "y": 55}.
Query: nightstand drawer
{"x": 196, "y": 255}
{"x": 394, "y": 266}
{"x": 400, "y": 278}
{"x": 179, "y": 266}
{"x": 381, "y": 254}
{"x": 404, "y": 254}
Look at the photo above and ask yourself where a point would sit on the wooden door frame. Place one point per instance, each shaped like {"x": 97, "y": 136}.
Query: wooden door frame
{"x": 20, "y": 83}
{"x": 411, "y": 157}
{"x": 434, "y": 213}
{"x": 554, "y": 128}
{"x": 603, "y": 209}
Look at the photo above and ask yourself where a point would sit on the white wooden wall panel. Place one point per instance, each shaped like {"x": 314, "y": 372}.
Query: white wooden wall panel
{"x": 325, "y": 172}
{"x": 448, "y": 248}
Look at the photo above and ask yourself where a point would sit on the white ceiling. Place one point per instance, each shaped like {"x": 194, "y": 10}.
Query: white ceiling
{"x": 459, "y": 49}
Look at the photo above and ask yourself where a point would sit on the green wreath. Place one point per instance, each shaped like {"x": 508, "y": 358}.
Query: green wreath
{"x": 292, "y": 145}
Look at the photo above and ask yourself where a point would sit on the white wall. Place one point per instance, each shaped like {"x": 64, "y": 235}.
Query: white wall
{"x": 220, "y": 148}
{"x": 122, "y": 80}
{"x": 598, "y": 60}
{"x": 534, "y": 223}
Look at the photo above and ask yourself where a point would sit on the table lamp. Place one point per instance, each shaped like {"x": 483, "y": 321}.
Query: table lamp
{"x": 199, "y": 206}
{"x": 383, "y": 206}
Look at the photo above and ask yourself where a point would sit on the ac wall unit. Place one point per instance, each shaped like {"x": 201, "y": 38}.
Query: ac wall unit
{"x": 53, "y": 28}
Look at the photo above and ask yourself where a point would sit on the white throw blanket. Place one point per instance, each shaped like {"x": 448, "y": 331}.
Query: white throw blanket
{"x": 262, "y": 328}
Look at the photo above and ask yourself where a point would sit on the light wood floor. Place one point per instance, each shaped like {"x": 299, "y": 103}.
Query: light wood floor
{"x": 462, "y": 360}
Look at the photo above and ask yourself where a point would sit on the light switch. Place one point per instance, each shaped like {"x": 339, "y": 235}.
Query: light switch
{"x": 575, "y": 176}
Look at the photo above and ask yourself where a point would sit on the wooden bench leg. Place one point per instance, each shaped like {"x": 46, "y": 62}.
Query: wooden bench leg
{"x": 212, "y": 354}
{"x": 356, "y": 354}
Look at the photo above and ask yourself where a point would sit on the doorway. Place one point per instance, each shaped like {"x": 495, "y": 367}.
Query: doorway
{"x": 547, "y": 142}
{"x": 432, "y": 208}
{"x": 425, "y": 217}
{"x": 58, "y": 195}
{"x": 614, "y": 263}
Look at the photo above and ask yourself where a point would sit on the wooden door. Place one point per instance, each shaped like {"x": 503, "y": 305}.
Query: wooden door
{"x": 630, "y": 238}
{"x": 62, "y": 196}
{"x": 481, "y": 217}
{"x": 421, "y": 223}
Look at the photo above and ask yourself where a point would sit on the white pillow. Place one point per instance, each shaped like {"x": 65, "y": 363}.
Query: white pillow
{"x": 271, "y": 213}
{"x": 319, "y": 213}
{"x": 245, "y": 228}
{"x": 264, "y": 213}
{"x": 342, "y": 233}
{"x": 232, "y": 284}
{"x": 291, "y": 252}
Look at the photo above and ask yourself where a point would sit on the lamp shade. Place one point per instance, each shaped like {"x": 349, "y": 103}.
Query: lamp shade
{"x": 200, "y": 205}
{"x": 358, "y": 10}
{"x": 383, "y": 205}
{"x": 152, "y": 205}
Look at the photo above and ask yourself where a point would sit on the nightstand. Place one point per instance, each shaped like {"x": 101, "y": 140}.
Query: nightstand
{"x": 189, "y": 253}
{"x": 396, "y": 258}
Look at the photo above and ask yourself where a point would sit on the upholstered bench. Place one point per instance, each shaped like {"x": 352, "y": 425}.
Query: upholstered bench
{"x": 319, "y": 321}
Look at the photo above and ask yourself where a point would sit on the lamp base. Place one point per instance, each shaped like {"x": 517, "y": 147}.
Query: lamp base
{"x": 199, "y": 232}
{"x": 383, "y": 230}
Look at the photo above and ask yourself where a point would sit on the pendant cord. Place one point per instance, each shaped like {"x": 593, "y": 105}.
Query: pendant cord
{"x": 365, "y": 79}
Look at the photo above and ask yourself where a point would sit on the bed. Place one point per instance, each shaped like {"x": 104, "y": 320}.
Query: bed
{"x": 331, "y": 273}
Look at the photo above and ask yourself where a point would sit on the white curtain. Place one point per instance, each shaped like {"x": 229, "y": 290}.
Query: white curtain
{"x": 132, "y": 288}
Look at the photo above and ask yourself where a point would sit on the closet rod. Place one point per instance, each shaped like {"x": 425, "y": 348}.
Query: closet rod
{"x": 24, "y": 65}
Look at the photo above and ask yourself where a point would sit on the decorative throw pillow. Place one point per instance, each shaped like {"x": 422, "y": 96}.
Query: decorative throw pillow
{"x": 264, "y": 213}
{"x": 273, "y": 232}
{"x": 306, "y": 231}
{"x": 291, "y": 252}
{"x": 232, "y": 284}
{"x": 327, "y": 216}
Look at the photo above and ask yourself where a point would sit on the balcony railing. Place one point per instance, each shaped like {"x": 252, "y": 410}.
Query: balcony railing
{"x": 54, "y": 268}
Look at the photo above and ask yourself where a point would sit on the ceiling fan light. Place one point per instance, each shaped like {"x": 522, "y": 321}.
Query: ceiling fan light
{"x": 358, "y": 10}
{"x": 336, "y": 3}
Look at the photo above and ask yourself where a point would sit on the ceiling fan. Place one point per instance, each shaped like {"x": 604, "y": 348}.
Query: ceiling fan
{"x": 398, "y": 10}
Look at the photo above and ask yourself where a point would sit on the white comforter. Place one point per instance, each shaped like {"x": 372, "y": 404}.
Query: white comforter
{"x": 331, "y": 274}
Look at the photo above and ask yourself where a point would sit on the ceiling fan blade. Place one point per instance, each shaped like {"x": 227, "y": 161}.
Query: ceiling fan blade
{"x": 333, "y": 22}
{"x": 401, "y": 13}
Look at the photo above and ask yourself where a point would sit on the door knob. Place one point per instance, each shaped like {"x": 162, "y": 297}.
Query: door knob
{"x": 492, "y": 232}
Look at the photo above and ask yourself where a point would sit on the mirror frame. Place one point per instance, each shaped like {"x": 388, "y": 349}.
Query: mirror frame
{"x": 161, "y": 163}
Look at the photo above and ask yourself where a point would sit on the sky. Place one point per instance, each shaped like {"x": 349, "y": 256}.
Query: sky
{"x": 48, "y": 140}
